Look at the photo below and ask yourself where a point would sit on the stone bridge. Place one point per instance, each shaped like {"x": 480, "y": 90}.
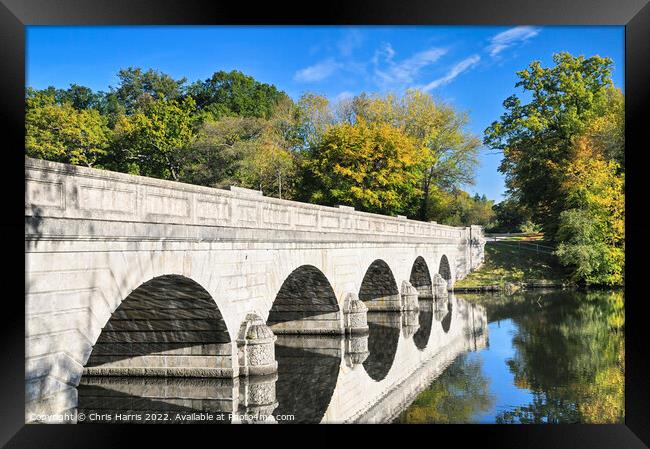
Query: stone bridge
{"x": 134, "y": 276}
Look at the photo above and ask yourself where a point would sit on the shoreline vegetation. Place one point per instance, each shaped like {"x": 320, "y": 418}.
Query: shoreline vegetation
{"x": 510, "y": 267}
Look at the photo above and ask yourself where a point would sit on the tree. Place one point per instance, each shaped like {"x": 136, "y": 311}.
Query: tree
{"x": 151, "y": 141}
{"x": 61, "y": 133}
{"x": 592, "y": 228}
{"x": 458, "y": 208}
{"x": 450, "y": 152}
{"x": 510, "y": 216}
{"x": 215, "y": 154}
{"x": 234, "y": 93}
{"x": 313, "y": 118}
{"x": 136, "y": 88}
{"x": 373, "y": 167}
{"x": 245, "y": 151}
{"x": 536, "y": 137}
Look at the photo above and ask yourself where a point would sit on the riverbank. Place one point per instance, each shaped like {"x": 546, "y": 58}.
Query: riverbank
{"x": 509, "y": 268}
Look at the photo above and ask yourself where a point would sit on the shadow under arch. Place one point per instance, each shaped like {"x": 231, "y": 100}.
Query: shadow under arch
{"x": 421, "y": 278}
{"x": 444, "y": 269}
{"x": 135, "y": 397}
{"x": 305, "y": 304}
{"x": 378, "y": 288}
{"x": 168, "y": 326}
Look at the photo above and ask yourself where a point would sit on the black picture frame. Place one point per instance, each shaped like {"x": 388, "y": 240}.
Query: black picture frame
{"x": 16, "y": 14}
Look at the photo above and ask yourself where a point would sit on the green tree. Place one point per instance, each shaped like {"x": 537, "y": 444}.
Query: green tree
{"x": 245, "y": 151}
{"x": 61, "y": 133}
{"x": 152, "y": 141}
{"x": 234, "y": 93}
{"x": 137, "y": 88}
{"x": 536, "y": 137}
{"x": 219, "y": 147}
{"x": 509, "y": 216}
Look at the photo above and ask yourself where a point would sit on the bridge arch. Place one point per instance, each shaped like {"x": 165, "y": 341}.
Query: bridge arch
{"x": 420, "y": 278}
{"x": 158, "y": 328}
{"x": 379, "y": 289}
{"x": 305, "y": 304}
{"x": 444, "y": 269}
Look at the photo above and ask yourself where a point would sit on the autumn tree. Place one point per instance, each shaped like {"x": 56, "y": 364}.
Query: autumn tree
{"x": 536, "y": 137}
{"x": 449, "y": 150}
{"x": 373, "y": 167}
{"x": 591, "y": 230}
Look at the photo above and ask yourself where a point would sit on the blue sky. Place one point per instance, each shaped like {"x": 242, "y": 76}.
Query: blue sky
{"x": 471, "y": 67}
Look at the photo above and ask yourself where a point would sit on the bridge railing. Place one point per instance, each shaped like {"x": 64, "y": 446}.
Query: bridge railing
{"x": 64, "y": 191}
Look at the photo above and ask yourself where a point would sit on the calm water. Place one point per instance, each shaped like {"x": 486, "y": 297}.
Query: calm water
{"x": 555, "y": 357}
{"x": 535, "y": 357}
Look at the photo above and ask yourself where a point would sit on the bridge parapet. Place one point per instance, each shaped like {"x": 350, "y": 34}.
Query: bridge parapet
{"x": 56, "y": 190}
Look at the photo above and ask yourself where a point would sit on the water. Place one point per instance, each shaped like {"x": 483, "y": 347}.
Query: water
{"x": 553, "y": 357}
{"x": 536, "y": 357}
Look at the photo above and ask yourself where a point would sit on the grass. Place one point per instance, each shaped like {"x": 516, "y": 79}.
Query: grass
{"x": 506, "y": 263}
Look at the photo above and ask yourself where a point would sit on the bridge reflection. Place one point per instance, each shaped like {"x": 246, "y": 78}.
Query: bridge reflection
{"x": 319, "y": 378}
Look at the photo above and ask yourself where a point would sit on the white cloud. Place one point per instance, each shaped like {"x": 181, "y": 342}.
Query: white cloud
{"x": 510, "y": 37}
{"x": 456, "y": 70}
{"x": 345, "y": 95}
{"x": 385, "y": 53}
{"x": 317, "y": 72}
{"x": 351, "y": 40}
{"x": 405, "y": 71}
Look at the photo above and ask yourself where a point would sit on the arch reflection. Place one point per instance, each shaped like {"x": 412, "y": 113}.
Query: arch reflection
{"x": 308, "y": 368}
{"x": 383, "y": 336}
{"x": 421, "y": 337}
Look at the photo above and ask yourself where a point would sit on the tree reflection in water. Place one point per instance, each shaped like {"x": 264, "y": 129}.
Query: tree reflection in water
{"x": 456, "y": 396}
{"x": 572, "y": 357}
{"x": 565, "y": 351}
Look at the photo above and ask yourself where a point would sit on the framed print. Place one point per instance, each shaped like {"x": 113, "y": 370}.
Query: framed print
{"x": 350, "y": 215}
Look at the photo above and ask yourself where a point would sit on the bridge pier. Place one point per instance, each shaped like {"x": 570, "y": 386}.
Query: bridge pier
{"x": 355, "y": 315}
{"x": 440, "y": 286}
{"x": 409, "y": 297}
{"x": 256, "y": 347}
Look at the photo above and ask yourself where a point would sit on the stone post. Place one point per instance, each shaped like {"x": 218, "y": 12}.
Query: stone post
{"x": 256, "y": 347}
{"x": 355, "y": 315}
{"x": 439, "y": 286}
{"x": 409, "y": 296}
